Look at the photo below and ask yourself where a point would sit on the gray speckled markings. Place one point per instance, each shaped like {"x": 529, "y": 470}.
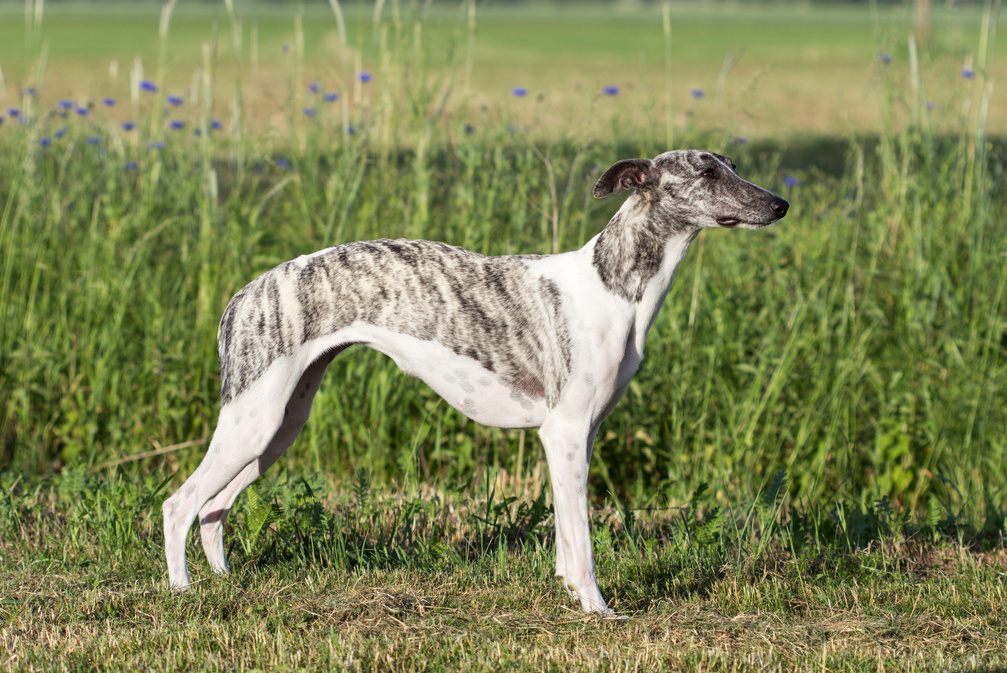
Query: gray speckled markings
{"x": 489, "y": 309}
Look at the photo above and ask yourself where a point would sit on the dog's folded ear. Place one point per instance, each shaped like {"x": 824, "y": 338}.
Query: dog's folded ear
{"x": 624, "y": 174}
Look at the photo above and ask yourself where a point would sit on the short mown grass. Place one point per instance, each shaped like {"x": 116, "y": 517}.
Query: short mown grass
{"x": 362, "y": 580}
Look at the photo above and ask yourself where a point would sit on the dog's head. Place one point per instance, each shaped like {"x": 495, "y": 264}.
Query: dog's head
{"x": 695, "y": 187}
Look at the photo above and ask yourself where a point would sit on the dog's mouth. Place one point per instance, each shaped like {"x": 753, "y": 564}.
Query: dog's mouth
{"x": 728, "y": 221}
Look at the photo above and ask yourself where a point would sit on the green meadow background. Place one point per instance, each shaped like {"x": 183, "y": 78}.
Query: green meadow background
{"x": 807, "y": 472}
{"x": 859, "y": 345}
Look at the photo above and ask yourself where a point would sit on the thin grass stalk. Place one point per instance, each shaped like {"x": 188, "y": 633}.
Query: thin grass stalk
{"x": 669, "y": 128}
{"x": 344, "y": 55}
{"x": 237, "y": 128}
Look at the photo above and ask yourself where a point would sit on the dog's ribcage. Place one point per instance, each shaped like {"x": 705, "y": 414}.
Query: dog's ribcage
{"x": 493, "y": 312}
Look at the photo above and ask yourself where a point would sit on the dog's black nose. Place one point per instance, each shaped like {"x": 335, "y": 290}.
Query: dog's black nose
{"x": 779, "y": 206}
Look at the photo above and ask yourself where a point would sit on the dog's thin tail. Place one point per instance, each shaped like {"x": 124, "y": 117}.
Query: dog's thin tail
{"x": 223, "y": 341}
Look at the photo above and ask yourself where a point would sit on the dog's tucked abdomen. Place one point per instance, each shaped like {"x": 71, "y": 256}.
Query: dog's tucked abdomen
{"x": 492, "y": 311}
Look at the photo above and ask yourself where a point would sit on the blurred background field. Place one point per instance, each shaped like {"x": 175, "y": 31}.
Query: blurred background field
{"x": 771, "y": 70}
{"x": 858, "y": 347}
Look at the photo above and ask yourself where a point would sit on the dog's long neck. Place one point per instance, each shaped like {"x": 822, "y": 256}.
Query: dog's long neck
{"x": 636, "y": 256}
{"x": 637, "y": 253}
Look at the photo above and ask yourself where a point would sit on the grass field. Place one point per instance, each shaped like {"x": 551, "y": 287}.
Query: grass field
{"x": 807, "y": 472}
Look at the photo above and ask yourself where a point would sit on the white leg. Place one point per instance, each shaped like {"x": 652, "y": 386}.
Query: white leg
{"x": 568, "y": 452}
{"x": 234, "y": 445}
{"x": 213, "y": 513}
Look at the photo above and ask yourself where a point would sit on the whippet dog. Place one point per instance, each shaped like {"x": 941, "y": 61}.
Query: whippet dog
{"x": 523, "y": 341}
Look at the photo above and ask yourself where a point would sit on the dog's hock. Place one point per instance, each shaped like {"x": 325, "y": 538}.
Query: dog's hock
{"x": 624, "y": 174}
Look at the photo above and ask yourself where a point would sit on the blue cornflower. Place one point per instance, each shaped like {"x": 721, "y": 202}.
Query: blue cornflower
{"x": 108, "y": 102}
{"x": 44, "y": 142}
{"x": 131, "y": 166}
{"x": 697, "y": 93}
{"x": 350, "y": 130}
{"x": 30, "y": 91}
{"x": 313, "y": 87}
{"x": 330, "y": 97}
{"x": 128, "y": 126}
{"x": 176, "y": 124}
{"x": 365, "y": 77}
{"x": 159, "y": 145}
{"x": 82, "y": 111}
{"x": 65, "y": 104}
{"x": 147, "y": 85}
{"x": 175, "y": 100}
{"x": 215, "y": 124}
{"x": 886, "y": 58}
{"x": 519, "y": 91}
{"x": 968, "y": 73}
{"x": 283, "y": 163}
{"x": 309, "y": 112}
{"x": 469, "y": 130}
{"x": 610, "y": 90}
{"x": 791, "y": 181}
{"x": 93, "y": 140}
{"x": 13, "y": 112}
{"x": 59, "y": 133}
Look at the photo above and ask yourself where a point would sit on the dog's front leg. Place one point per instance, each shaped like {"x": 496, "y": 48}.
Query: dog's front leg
{"x": 568, "y": 451}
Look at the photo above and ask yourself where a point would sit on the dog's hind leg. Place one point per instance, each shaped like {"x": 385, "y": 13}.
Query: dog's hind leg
{"x": 213, "y": 514}
{"x": 246, "y": 430}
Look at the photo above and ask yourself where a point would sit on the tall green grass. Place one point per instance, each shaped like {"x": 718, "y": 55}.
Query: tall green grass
{"x": 859, "y": 346}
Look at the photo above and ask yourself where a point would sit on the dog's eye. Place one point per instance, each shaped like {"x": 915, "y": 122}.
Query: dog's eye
{"x": 709, "y": 173}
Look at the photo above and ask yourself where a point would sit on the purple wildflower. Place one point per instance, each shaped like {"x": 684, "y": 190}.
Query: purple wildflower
{"x": 93, "y": 140}
{"x": 44, "y": 142}
{"x": 108, "y": 102}
{"x": 697, "y": 93}
{"x": 610, "y": 90}
{"x": 313, "y": 87}
{"x": 365, "y": 77}
{"x": 131, "y": 166}
{"x": 791, "y": 181}
{"x": 176, "y": 124}
{"x": 175, "y": 100}
{"x": 519, "y": 91}
{"x": 128, "y": 126}
{"x": 30, "y": 91}
{"x": 968, "y": 73}
{"x": 309, "y": 112}
{"x": 283, "y": 163}
{"x": 886, "y": 58}
{"x": 13, "y": 113}
{"x": 82, "y": 111}
{"x": 156, "y": 146}
{"x": 65, "y": 104}
{"x": 330, "y": 97}
{"x": 215, "y": 124}
{"x": 350, "y": 130}
{"x": 148, "y": 86}
{"x": 59, "y": 133}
